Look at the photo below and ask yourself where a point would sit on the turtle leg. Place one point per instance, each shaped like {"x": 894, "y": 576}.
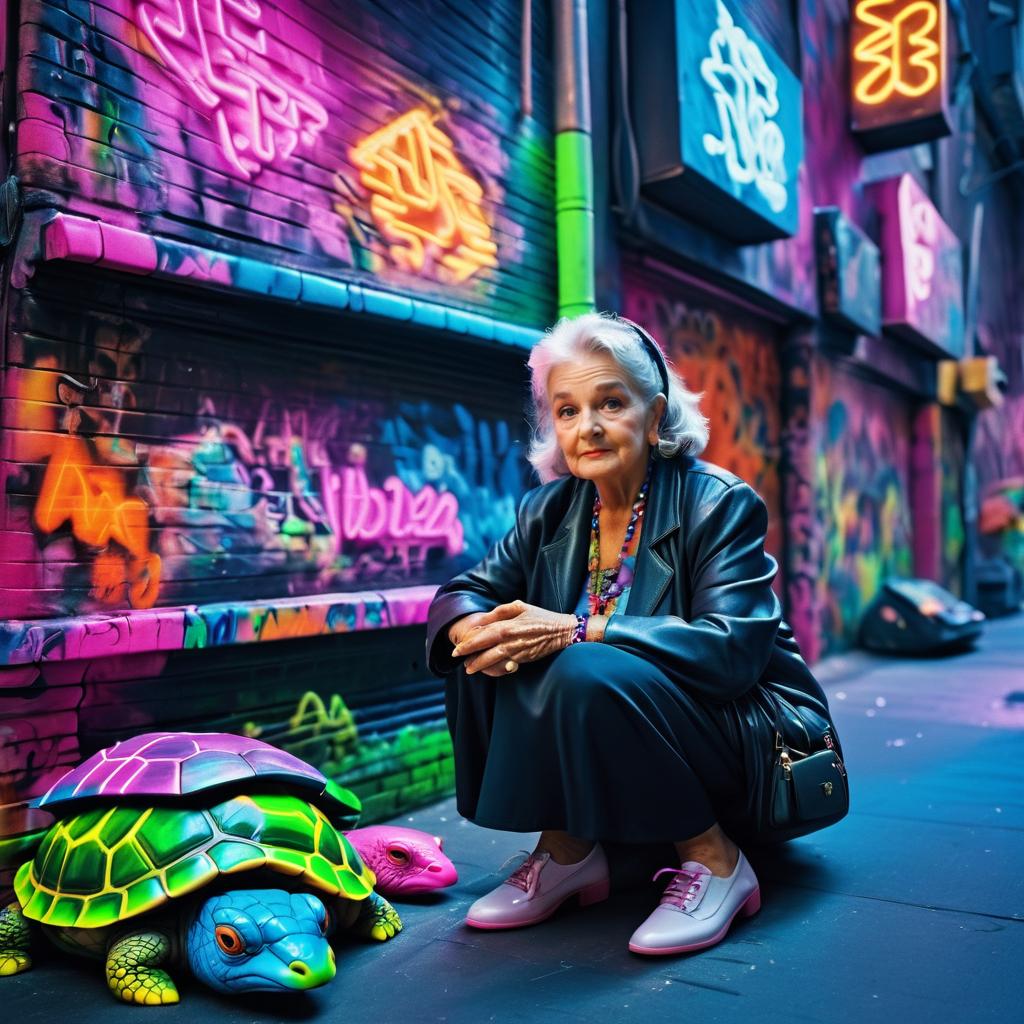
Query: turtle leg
{"x": 377, "y": 919}
{"x": 15, "y": 941}
{"x": 133, "y": 972}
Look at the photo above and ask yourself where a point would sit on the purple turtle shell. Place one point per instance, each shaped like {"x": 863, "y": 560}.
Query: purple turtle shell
{"x": 169, "y": 764}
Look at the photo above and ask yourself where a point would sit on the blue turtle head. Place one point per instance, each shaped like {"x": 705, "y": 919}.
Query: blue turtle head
{"x": 260, "y": 940}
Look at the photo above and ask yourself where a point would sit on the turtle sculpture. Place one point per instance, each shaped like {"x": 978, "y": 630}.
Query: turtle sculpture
{"x": 215, "y": 852}
{"x": 406, "y": 861}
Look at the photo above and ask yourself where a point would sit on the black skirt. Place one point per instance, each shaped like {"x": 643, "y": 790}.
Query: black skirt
{"x": 599, "y": 743}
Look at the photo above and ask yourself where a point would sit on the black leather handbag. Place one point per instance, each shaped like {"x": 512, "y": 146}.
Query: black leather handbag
{"x": 808, "y": 790}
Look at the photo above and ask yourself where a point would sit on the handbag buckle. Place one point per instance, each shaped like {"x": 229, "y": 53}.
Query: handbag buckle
{"x": 839, "y": 761}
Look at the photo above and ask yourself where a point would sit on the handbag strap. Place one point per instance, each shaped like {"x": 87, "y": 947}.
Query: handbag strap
{"x": 780, "y": 736}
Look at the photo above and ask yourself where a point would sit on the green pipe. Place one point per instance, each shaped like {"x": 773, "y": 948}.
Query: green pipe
{"x": 574, "y": 161}
{"x": 574, "y": 222}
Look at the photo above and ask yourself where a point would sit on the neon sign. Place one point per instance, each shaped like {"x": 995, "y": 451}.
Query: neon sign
{"x": 718, "y": 119}
{"x": 902, "y": 54}
{"x": 424, "y": 201}
{"x": 922, "y": 287}
{"x": 747, "y": 98}
{"x": 849, "y": 272}
{"x": 239, "y": 75}
{"x": 393, "y": 514}
{"x": 898, "y": 71}
{"x": 919, "y": 232}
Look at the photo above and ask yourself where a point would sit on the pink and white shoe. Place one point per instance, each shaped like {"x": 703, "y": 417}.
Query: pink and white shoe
{"x": 697, "y": 908}
{"x": 538, "y": 887}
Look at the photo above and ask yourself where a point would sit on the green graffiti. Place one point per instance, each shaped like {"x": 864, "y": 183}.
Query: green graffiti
{"x": 196, "y": 632}
{"x": 389, "y": 774}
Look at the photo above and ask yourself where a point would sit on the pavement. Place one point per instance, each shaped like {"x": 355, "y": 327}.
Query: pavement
{"x": 911, "y": 909}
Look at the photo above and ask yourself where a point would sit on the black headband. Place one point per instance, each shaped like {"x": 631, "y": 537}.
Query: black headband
{"x": 652, "y": 347}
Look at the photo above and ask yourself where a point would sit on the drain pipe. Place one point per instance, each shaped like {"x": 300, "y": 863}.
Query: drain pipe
{"x": 574, "y": 161}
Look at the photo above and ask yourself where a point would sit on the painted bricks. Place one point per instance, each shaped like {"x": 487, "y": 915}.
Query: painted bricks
{"x": 312, "y": 183}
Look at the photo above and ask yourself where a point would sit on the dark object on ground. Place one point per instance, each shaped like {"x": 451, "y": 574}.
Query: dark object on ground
{"x": 919, "y": 617}
{"x": 1000, "y": 587}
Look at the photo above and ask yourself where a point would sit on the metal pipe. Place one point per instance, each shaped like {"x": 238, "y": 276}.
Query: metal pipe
{"x": 526, "y": 61}
{"x": 574, "y": 161}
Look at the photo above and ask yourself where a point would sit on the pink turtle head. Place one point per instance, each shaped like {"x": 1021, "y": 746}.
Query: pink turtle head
{"x": 405, "y": 860}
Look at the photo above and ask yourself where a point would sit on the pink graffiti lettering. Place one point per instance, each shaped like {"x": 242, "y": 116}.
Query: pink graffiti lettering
{"x": 920, "y": 229}
{"x": 393, "y": 512}
{"x": 219, "y": 52}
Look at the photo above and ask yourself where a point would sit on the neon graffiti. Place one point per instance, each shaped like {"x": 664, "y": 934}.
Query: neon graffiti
{"x": 919, "y": 228}
{"x": 903, "y": 53}
{"x": 747, "y": 98}
{"x": 94, "y": 501}
{"x": 424, "y": 201}
{"x": 219, "y": 52}
{"x": 863, "y": 492}
{"x": 322, "y": 732}
{"x": 393, "y": 513}
{"x": 923, "y": 286}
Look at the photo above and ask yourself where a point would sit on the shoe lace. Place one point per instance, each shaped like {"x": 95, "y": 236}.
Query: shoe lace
{"x": 684, "y": 887}
{"x": 525, "y": 876}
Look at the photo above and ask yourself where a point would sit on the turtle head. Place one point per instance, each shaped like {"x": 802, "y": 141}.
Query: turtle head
{"x": 260, "y": 940}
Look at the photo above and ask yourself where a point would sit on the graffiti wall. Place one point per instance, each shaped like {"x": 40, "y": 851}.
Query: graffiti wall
{"x": 151, "y": 464}
{"x": 998, "y": 451}
{"x": 952, "y": 502}
{"x": 367, "y": 141}
{"x": 321, "y": 698}
{"x": 863, "y": 496}
{"x": 731, "y": 357}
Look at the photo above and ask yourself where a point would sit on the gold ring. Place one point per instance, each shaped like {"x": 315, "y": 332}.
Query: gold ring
{"x": 511, "y": 666}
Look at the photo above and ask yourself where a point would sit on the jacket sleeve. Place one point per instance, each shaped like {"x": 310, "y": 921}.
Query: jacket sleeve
{"x": 722, "y": 651}
{"x": 498, "y": 579}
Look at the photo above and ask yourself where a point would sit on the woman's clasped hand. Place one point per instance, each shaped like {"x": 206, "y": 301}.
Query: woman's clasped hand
{"x": 516, "y": 632}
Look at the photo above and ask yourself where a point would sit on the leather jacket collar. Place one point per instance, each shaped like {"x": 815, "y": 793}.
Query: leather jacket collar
{"x": 562, "y": 557}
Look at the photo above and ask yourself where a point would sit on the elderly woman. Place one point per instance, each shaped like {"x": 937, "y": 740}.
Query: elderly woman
{"x": 616, "y": 665}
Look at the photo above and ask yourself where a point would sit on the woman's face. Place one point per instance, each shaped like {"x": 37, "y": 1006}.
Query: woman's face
{"x": 601, "y": 425}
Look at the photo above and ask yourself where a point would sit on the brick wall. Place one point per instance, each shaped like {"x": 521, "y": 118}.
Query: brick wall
{"x": 376, "y": 142}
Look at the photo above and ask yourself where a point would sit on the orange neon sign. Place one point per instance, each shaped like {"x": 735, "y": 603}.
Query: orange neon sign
{"x": 902, "y": 52}
{"x": 91, "y": 495}
{"x": 898, "y": 71}
{"x": 424, "y": 202}
{"x": 94, "y": 501}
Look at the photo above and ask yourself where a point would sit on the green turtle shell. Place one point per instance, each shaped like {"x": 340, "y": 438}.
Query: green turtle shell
{"x": 111, "y": 863}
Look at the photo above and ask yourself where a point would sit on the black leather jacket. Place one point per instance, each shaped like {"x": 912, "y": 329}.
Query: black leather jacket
{"x": 701, "y": 605}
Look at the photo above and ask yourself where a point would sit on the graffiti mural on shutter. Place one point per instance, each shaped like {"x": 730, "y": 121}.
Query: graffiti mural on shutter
{"x": 731, "y": 357}
{"x": 863, "y": 496}
{"x": 153, "y": 464}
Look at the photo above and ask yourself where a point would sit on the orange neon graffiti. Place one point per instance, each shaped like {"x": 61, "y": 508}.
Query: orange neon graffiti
{"x": 902, "y": 53}
{"x": 94, "y": 501}
{"x": 424, "y": 201}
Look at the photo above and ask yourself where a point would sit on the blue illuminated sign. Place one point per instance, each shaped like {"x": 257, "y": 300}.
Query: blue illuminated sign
{"x": 731, "y": 138}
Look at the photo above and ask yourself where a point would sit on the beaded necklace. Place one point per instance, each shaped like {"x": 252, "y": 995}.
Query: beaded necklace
{"x": 604, "y": 584}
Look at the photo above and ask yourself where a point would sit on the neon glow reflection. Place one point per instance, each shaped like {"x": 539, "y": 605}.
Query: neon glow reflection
{"x": 423, "y": 200}
{"x": 221, "y": 55}
{"x": 747, "y": 98}
{"x": 902, "y": 52}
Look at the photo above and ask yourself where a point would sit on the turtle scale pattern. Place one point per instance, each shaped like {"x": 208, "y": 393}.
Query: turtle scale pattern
{"x": 110, "y": 864}
{"x": 179, "y": 763}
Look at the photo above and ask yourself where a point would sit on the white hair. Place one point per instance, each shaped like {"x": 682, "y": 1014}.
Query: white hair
{"x": 683, "y": 428}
